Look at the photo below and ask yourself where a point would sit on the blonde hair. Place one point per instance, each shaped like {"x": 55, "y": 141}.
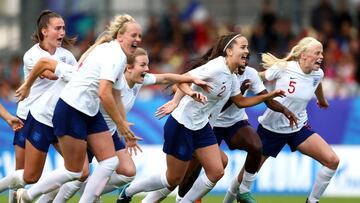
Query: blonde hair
{"x": 268, "y": 59}
{"x": 117, "y": 25}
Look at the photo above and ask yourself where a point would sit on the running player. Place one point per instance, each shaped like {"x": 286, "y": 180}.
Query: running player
{"x": 77, "y": 120}
{"x": 49, "y": 37}
{"x": 299, "y": 75}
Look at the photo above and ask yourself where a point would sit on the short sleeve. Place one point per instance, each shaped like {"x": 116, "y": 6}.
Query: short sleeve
{"x": 64, "y": 70}
{"x": 273, "y": 73}
{"x": 149, "y": 79}
{"x": 204, "y": 72}
{"x": 257, "y": 85}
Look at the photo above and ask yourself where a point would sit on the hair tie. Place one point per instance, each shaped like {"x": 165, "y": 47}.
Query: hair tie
{"x": 232, "y": 39}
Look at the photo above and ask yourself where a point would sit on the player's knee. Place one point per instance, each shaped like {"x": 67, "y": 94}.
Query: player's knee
{"x": 126, "y": 170}
{"x": 255, "y": 148}
{"x": 215, "y": 174}
{"x": 224, "y": 160}
{"x": 174, "y": 180}
{"x": 332, "y": 162}
{"x": 31, "y": 178}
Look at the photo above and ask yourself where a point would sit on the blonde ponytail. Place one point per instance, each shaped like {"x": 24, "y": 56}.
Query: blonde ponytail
{"x": 269, "y": 60}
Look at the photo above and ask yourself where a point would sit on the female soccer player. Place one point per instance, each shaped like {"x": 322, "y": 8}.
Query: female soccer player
{"x": 49, "y": 37}
{"x": 187, "y": 129}
{"x": 77, "y": 120}
{"x": 299, "y": 75}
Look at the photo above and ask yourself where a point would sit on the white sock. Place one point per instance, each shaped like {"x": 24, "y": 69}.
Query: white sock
{"x": 247, "y": 181}
{"x": 116, "y": 181}
{"x": 12, "y": 196}
{"x": 52, "y": 181}
{"x": 178, "y": 198}
{"x": 201, "y": 187}
{"x": 98, "y": 179}
{"x": 67, "y": 191}
{"x": 321, "y": 182}
{"x": 231, "y": 192}
{"x": 156, "y": 196}
{"x": 82, "y": 187}
{"x": 151, "y": 183}
{"x": 48, "y": 197}
{"x": 13, "y": 180}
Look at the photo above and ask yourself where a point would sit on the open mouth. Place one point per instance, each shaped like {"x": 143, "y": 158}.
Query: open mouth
{"x": 59, "y": 39}
{"x": 143, "y": 74}
{"x": 318, "y": 63}
{"x": 134, "y": 46}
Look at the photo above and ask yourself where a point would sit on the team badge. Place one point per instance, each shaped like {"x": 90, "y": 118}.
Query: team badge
{"x": 63, "y": 59}
{"x": 316, "y": 81}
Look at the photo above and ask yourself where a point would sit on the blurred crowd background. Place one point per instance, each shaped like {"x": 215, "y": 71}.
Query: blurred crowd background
{"x": 177, "y": 31}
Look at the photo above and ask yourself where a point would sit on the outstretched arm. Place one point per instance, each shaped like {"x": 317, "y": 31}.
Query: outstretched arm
{"x": 14, "y": 122}
{"x": 169, "y": 106}
{"x": 170, "y": 78}
{"x": 42, "y": 65}
{"x": 242, "y": 102}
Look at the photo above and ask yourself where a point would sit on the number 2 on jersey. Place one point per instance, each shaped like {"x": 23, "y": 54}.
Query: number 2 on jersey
{"x": 291, "y": 88}
{"x": 222, "y": 90}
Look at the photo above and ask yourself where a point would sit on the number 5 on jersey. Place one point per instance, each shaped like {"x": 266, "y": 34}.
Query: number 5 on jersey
{"x": 291, "y": 88}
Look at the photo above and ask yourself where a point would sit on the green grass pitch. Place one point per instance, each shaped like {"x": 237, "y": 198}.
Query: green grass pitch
{"x": 219, "y": 198}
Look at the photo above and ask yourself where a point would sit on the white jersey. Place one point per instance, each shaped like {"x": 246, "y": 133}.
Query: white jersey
{"x": 106, "y": 62}
{"x": 43, "y": 109}
{"x": 234, "y": 114}
{"x": 195, "y": 115}
{"x": 41, "y": 84}
{"x": 299, "y": 88}
{"x": 128, "y": 96}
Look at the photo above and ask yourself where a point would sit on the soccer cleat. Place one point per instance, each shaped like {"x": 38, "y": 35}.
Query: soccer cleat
{"x": 123, "y": 198}
{"x": 22, "y": 196}
{"x": 198, "y": 201}
{"x": 245, "y": 197}
{"x": 307, "y": 201}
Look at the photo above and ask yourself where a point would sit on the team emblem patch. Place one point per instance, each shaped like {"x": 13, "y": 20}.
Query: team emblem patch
{"x": 316, "y": 81}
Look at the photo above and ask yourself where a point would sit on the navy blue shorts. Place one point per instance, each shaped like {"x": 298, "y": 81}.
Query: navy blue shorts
{"x": 228, "y": 132}
{"x": 273, "y": 142}
{"x": 19, "y": 136}
{"x": 39, "y": 135}
{"x": 118, "y": 144}
{"x": 69, "y": 121}
{"x": 181, "y": 142}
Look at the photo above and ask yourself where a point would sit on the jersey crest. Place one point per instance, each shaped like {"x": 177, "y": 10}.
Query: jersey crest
{"x": 316, "y": 81}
